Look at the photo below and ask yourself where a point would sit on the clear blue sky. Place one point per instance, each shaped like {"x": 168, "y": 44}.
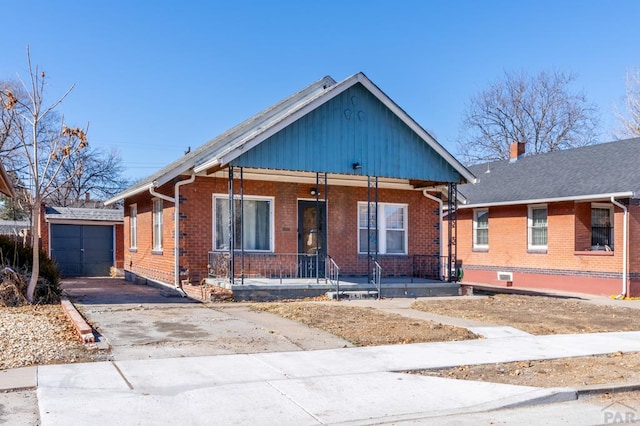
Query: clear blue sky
{"x": 153, "y": 78}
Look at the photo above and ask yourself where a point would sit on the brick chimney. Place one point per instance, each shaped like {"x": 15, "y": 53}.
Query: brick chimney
{"x": 516, "y": 151}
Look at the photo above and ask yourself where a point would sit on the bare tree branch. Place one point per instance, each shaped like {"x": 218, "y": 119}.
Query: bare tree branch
{"x": 539, "y": 111}
{"x": 630, "y": 118}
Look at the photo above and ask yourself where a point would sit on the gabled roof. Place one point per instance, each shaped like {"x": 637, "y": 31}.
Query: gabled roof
{"x": 225, "y": 148}
{"x": 81, "y": 214}
{"x": 587, "y": 173}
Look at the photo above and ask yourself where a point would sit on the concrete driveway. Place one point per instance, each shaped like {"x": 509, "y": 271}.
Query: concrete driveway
{"x": 141, "y": 322}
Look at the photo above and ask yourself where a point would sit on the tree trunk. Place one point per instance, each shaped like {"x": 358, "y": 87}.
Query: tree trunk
{"x": 35, "y": 238}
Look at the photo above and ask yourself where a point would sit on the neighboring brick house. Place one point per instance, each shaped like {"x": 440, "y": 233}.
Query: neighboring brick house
{"x": 308, "y": 176}
{"x": 565, "y": 220}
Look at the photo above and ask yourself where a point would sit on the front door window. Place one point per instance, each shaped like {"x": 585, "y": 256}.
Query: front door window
{"x": 312, "y": 236}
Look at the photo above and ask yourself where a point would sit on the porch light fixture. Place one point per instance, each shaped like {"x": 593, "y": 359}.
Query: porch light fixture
{"x": 356, "y": 166}
{"x": 313, "y": 191}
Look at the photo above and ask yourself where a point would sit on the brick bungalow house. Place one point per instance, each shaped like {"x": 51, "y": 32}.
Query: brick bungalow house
{"x": 566, "y": 220}
{"x": 336, "y": 177}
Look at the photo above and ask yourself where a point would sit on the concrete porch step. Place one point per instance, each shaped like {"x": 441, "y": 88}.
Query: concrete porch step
{"x": 354, "y": 294}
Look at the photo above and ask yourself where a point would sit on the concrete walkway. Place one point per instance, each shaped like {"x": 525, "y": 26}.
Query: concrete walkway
{"x": 350, "y": 385}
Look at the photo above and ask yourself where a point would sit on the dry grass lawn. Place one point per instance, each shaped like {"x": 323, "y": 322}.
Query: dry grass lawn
{"x": 537, "y": 314}
{"x": 366, "y": 326}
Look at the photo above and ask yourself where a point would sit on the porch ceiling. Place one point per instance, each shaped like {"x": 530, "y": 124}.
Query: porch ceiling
{"x": 332, "y": 179}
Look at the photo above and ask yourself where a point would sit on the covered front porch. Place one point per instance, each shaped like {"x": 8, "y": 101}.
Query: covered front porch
{"x": 298, "y": 275}
{"x": 375, "y": 254}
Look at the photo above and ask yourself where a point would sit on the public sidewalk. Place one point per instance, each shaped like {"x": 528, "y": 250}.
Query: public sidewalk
{"x": 350, "y": 385}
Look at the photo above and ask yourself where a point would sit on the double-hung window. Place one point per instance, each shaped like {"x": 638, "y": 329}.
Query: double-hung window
{"x": 392, "y": 228}
{"x": 133, "y": 226}
{"x": 157, "y": 224}
{"x": 537, "y": 227}
{"x": 601, "y": 227}
{"x": 252, "y": 224}
{"x": 481, "y": 229}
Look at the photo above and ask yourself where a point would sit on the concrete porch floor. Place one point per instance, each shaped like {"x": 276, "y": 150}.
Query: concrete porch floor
{"x": 261, "y": 289}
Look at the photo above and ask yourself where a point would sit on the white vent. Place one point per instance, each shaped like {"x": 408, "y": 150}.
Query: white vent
{"x": 505, "y": 276}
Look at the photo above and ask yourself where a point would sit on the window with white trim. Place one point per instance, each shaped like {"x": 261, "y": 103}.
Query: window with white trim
{"x": 481, "y": 229}
{"x": 392, "y": 228}
{"x": 601, "y": 227}
{"x": 133, "y": 226}
{"x": 157, "y": 224}
{"x": 537, "y": 227}
{"x": 253, "y": 223}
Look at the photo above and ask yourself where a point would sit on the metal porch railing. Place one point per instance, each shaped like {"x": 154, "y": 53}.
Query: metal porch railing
{"x": 332, "y": 275}
{"x": 281, "y": 266}
{"x": 278, "y": 266}
{"x": 376, "y": 277}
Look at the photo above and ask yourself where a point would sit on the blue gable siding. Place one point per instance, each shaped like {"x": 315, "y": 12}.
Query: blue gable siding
{"x": 353, "y": 127}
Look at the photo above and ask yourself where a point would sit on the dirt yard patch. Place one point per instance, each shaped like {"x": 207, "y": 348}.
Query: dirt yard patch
{"x": 36, "y": 335}
{"x": 566, "y": 372}
{"x": 537, "y": 314}
{"x": 366, "y": 326}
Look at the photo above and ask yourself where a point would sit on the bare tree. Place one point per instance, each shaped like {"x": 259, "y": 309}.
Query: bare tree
{"x": 90, "y": 173}
{"x": 45, "y": 148}
{"x": 539, "y": 111}
{"x": 630, "y": 120}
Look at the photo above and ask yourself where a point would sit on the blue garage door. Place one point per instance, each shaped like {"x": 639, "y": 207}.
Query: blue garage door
{"x": 82, "y": 250}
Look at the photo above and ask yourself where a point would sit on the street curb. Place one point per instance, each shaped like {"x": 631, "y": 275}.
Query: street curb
{"x": 84, "y": 330}
{"x": 607, "y": 388}
{"x": 538, "y": 397}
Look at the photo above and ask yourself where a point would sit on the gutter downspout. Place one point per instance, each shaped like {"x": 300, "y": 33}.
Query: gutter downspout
{"x": 176, "y": 226}
{"x": 625, "y": 239}
{"x": 176, "y": 239}
{"x": 441, "y": 216}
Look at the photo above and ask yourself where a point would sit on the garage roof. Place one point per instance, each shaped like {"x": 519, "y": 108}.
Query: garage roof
{"x": 81, "y": 214}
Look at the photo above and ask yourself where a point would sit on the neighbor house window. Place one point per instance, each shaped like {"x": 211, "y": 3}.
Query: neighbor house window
{"x": 133, "y": 226}
{"x": 537, "y": 227}
{"x": 481, "y": 229}
{"x": 601, "y": 227}
{"x": 253, "y": 223}
{"x": 392, "y": 228}
{"x": 157, "y": 224}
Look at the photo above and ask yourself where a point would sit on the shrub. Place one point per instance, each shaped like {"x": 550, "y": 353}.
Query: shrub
{"x": 18, "y": 256}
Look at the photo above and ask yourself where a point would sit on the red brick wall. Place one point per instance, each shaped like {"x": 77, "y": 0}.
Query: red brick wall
{"x": 144, "y": 261}
{"x": 119, "y": 248}
{"x": 197, "y": 225}
{"x": 566, "y": 265}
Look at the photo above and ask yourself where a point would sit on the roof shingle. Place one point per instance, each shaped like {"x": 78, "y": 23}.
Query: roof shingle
{"x": 605, "y": 168}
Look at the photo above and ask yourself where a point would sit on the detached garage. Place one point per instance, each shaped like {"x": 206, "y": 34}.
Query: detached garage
{"x": 84, "y": 242}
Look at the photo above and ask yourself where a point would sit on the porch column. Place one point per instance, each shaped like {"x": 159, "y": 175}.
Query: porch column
{"x": 242, "y": 225}
{"x": 369, "y": 229}
{"x": 321, "y": 235}
{"x": 231, "y": 226}
{"x": 452, "y": 222}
